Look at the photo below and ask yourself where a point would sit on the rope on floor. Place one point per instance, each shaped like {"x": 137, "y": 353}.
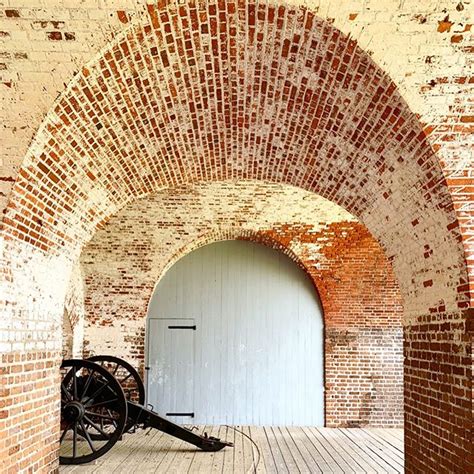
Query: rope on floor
{"x": 255, "y": 465}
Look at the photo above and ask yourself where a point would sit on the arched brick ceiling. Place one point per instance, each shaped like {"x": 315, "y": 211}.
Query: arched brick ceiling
{"x": 177, "y": 221}
{"x": 210, "y": 91}
{"x": 162, "y": 228}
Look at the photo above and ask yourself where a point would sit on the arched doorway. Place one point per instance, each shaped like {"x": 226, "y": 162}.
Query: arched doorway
{"x": 303, "y": 105}
{"x": 235, "y": 336}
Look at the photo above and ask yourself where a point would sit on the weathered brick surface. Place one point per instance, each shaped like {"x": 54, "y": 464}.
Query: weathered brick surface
{"x": 29, "y": 424}
{"x": 361, "y": 300}
{"x": 438, "y": 394}
{"x": 208, "y": 91}
{"x": 74, "y": 316}
{"x": 32, "y": 288}
{"x": 424, "y": 47}
{"x": 290, "y": 79}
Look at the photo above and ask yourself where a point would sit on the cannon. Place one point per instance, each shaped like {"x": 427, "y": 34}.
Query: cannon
{"x": 102, "y": 398}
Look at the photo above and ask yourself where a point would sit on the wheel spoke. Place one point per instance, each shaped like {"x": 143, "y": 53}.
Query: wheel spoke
{"x": 102, "y": 432}
{"x": 99, "y": 415}
{"x": 113, "y": 421}
{"x": 88, "y": 438}
{"x": 64, "y": 390}
{"x": 127, "y": 377}
{"x": 86, "y": 386}
{"x": 68, "y": 427}
{"x": 116, "y": 368}
{"x": 103, "y": 403}
{"x": 74, "y": 441}
{"x": 94, "y": 395}
{"x": 74, "y": 383}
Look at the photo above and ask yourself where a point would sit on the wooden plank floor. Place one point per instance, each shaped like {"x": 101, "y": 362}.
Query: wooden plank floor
{"x": 272, "y": 449}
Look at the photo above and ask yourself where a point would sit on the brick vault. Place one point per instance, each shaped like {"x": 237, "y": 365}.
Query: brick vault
{"x": 211, "y": 92}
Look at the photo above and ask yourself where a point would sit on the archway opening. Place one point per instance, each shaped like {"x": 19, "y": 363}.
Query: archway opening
{"x": 235, "y": 336}
{"x": 302, "y": 104}
{"x": 346, "y": 265}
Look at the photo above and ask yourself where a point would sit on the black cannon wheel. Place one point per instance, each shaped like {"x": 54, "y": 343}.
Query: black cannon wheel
{"x": 126, "y": 375}
{"x": 128, "y": 378}
{"x": 92, "y": 403}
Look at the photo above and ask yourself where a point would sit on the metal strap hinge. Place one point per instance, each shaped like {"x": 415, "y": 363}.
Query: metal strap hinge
{"x": 181, "y": 414}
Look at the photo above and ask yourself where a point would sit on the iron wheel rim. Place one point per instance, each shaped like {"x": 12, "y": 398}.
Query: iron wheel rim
{"x": 122, "y": 366}
{"x": 78, "y": 410}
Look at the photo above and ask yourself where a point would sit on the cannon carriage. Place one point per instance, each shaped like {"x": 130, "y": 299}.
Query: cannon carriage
{"x": 102, "y": 398}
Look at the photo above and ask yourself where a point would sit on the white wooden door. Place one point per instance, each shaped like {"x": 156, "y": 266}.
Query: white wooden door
{"x": 258, "y": 348}
{"x": 171, "y": 368}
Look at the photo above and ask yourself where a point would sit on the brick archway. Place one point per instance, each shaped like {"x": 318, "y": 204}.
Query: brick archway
{"x": 358, "y": 292}
{"x": 236, "y": 233}
{"x": 213, "y": 90}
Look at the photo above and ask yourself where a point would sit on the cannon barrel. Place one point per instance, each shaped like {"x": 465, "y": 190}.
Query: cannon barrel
{"x": 151, "y": 419}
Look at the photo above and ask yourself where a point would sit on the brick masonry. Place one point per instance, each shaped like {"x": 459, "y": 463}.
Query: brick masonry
{"x": 74, "y": 316}
{"x": 28, "y": 395}
{"x": 360, "y": 297}
{"x": 424, "y": 48}
{"x": 379, "y": 122}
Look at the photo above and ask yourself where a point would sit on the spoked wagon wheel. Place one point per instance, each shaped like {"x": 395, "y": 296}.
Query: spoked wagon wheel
{"x": 128, "y": 378}
{"x": 93, "y": 411}
{"x": 126, "y": 375}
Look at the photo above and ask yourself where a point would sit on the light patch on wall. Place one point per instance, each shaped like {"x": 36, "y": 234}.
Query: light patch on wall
{"x": 46, "y": 281}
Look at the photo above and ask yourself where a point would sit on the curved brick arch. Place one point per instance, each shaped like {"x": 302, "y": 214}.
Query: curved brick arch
{"x": 260, "y": 92}
{"x": 286, "y": 218}
{"x": 347, "y": 267}
{"x": 214, "y": 90}
{"x": 180, "y": 220}
{"x": 233, "y": 233}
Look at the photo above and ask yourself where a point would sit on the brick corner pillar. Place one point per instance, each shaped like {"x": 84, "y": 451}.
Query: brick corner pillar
{"x": 438, "y": 393}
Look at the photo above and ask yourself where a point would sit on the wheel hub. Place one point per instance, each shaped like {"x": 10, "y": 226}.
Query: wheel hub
{"x": 74, "y": 411}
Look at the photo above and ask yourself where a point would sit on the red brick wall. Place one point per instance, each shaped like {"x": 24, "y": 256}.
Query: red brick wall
{"x": 210, "y": 90}
{"x": 363, "y": 330}
{"x": 28, "y": 416}
{"x": 438, "y": 394}
{"x": 360, "y": 297}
